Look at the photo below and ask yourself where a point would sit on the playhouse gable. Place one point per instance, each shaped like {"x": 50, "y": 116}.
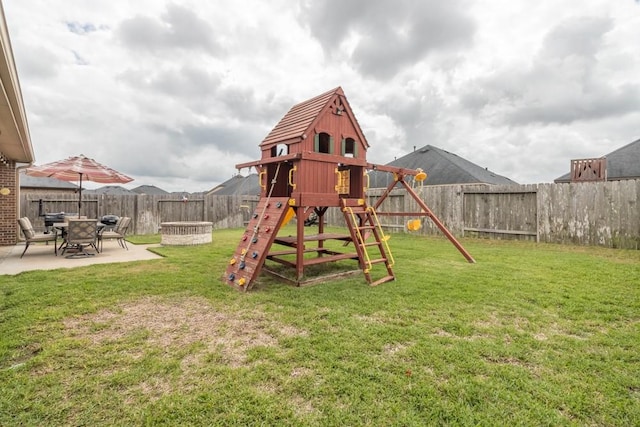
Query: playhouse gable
{"x": 323, "y": 124}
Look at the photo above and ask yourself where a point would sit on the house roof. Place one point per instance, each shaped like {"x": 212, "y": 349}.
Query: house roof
{"x": 114, "y": 190}
{"x": 238, "y": 185}
{"x": 27, "y": 181}
{"x": 442, "y": 167}
{"x": 15, "y": 141}
{"x": 623, "y": 163}
{"x": 301, "y": 118}
{"x": 150, "y": 190}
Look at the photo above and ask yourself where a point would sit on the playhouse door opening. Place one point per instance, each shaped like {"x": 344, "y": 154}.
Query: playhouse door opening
{"x": 281, "y": 188}
{"x": 350, "y": 182}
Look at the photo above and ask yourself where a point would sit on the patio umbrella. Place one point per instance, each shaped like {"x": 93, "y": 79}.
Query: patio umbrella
{"x": 79, "y": 168}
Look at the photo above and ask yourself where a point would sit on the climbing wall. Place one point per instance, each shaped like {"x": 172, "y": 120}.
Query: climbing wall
{"x": 244, "y": 267}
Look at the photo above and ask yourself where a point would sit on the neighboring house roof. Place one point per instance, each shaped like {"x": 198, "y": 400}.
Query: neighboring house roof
{"x": 297, "y": 123}
{"x": 442, "y": 167}
{"x": 47, "y": 183}
{"x": 151, "y": 190}
{"x": 114, "y": 190}
{"x": 238, "y": 185}
{"x": 623, "y": 163}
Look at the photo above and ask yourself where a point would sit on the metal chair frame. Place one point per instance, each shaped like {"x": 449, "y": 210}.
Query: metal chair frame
{"x": 81, "y": 233}
{"x": 119, "y": 232}
{"x": 32, "y": 237}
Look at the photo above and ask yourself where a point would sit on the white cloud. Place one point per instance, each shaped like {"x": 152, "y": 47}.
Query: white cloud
{"x": 174, "y": 93}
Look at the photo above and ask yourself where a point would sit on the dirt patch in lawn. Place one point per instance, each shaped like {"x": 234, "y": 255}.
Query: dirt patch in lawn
{"x": 186, "y": 323}
{"x": 162, "y": 346}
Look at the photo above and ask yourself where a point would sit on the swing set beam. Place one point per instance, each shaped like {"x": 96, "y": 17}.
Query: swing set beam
{"x": 399, "y": 175}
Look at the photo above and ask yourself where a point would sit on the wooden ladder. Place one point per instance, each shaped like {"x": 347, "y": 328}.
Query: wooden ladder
{"x": 363, "y": 223}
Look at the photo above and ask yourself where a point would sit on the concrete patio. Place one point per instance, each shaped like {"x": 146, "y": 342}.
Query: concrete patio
{"x": 41, "y": 256}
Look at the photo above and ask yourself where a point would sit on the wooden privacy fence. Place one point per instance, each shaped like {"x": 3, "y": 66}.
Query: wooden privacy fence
{"x": 147, "y": 211}
{"x": 593, "y": 213}
{"x": 589, "y": 213}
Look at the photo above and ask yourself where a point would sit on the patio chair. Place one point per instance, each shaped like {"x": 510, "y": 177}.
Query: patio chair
{"x": 32, "y": 237}
{"x": 119, "y": 232}
{"x": 81, "y": 233}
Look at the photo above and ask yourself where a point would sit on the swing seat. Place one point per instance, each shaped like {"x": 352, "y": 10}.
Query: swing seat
{"x": 421, "y": 176}
{"x": 414, "y": 224}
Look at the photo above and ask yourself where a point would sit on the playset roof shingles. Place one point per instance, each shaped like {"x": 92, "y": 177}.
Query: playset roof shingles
{"x": 294, "y": 125}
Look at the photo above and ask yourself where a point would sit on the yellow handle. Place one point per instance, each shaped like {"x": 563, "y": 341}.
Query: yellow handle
{"x": 263, "y": 173}
{"x": 293, "y": 169}
{"x": 368, "y": 182}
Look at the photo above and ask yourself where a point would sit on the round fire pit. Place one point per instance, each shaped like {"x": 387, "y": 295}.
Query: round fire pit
{"x": 186, "y": 233}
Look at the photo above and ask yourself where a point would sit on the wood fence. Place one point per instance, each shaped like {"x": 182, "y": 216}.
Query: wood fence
{"x": 590, "y": 213}
{"x": 593, "y": 213}
{"x": 147, "y": 211}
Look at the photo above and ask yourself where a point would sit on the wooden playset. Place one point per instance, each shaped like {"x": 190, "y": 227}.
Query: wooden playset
{"x": 314, "y": 159}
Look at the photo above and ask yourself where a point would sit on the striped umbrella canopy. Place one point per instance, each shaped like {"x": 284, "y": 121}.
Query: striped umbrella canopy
{"x": 79, "y": 168}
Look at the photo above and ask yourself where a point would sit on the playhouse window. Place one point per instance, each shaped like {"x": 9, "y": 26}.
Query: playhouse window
{"x": 279, "y": 150}
{"x": 349, "y": 147}
{"x": 323, "y": 143}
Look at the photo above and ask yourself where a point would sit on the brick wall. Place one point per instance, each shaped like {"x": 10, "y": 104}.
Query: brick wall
{"x": 8, "y": 203}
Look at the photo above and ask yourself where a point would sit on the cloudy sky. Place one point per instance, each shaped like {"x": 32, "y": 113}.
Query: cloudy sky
{"x": 175, "y": 93}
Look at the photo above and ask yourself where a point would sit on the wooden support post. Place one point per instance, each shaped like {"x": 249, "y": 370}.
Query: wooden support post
{"x": 320, "y": 212}
{"x": 386, "y": 193}
{"x": 300, "y": 242}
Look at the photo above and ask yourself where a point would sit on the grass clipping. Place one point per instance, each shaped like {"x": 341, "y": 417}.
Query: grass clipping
{"x": 186, "y": 323}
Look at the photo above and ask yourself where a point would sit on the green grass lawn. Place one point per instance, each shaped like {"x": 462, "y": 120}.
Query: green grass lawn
{"x": 529, "y": 335}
